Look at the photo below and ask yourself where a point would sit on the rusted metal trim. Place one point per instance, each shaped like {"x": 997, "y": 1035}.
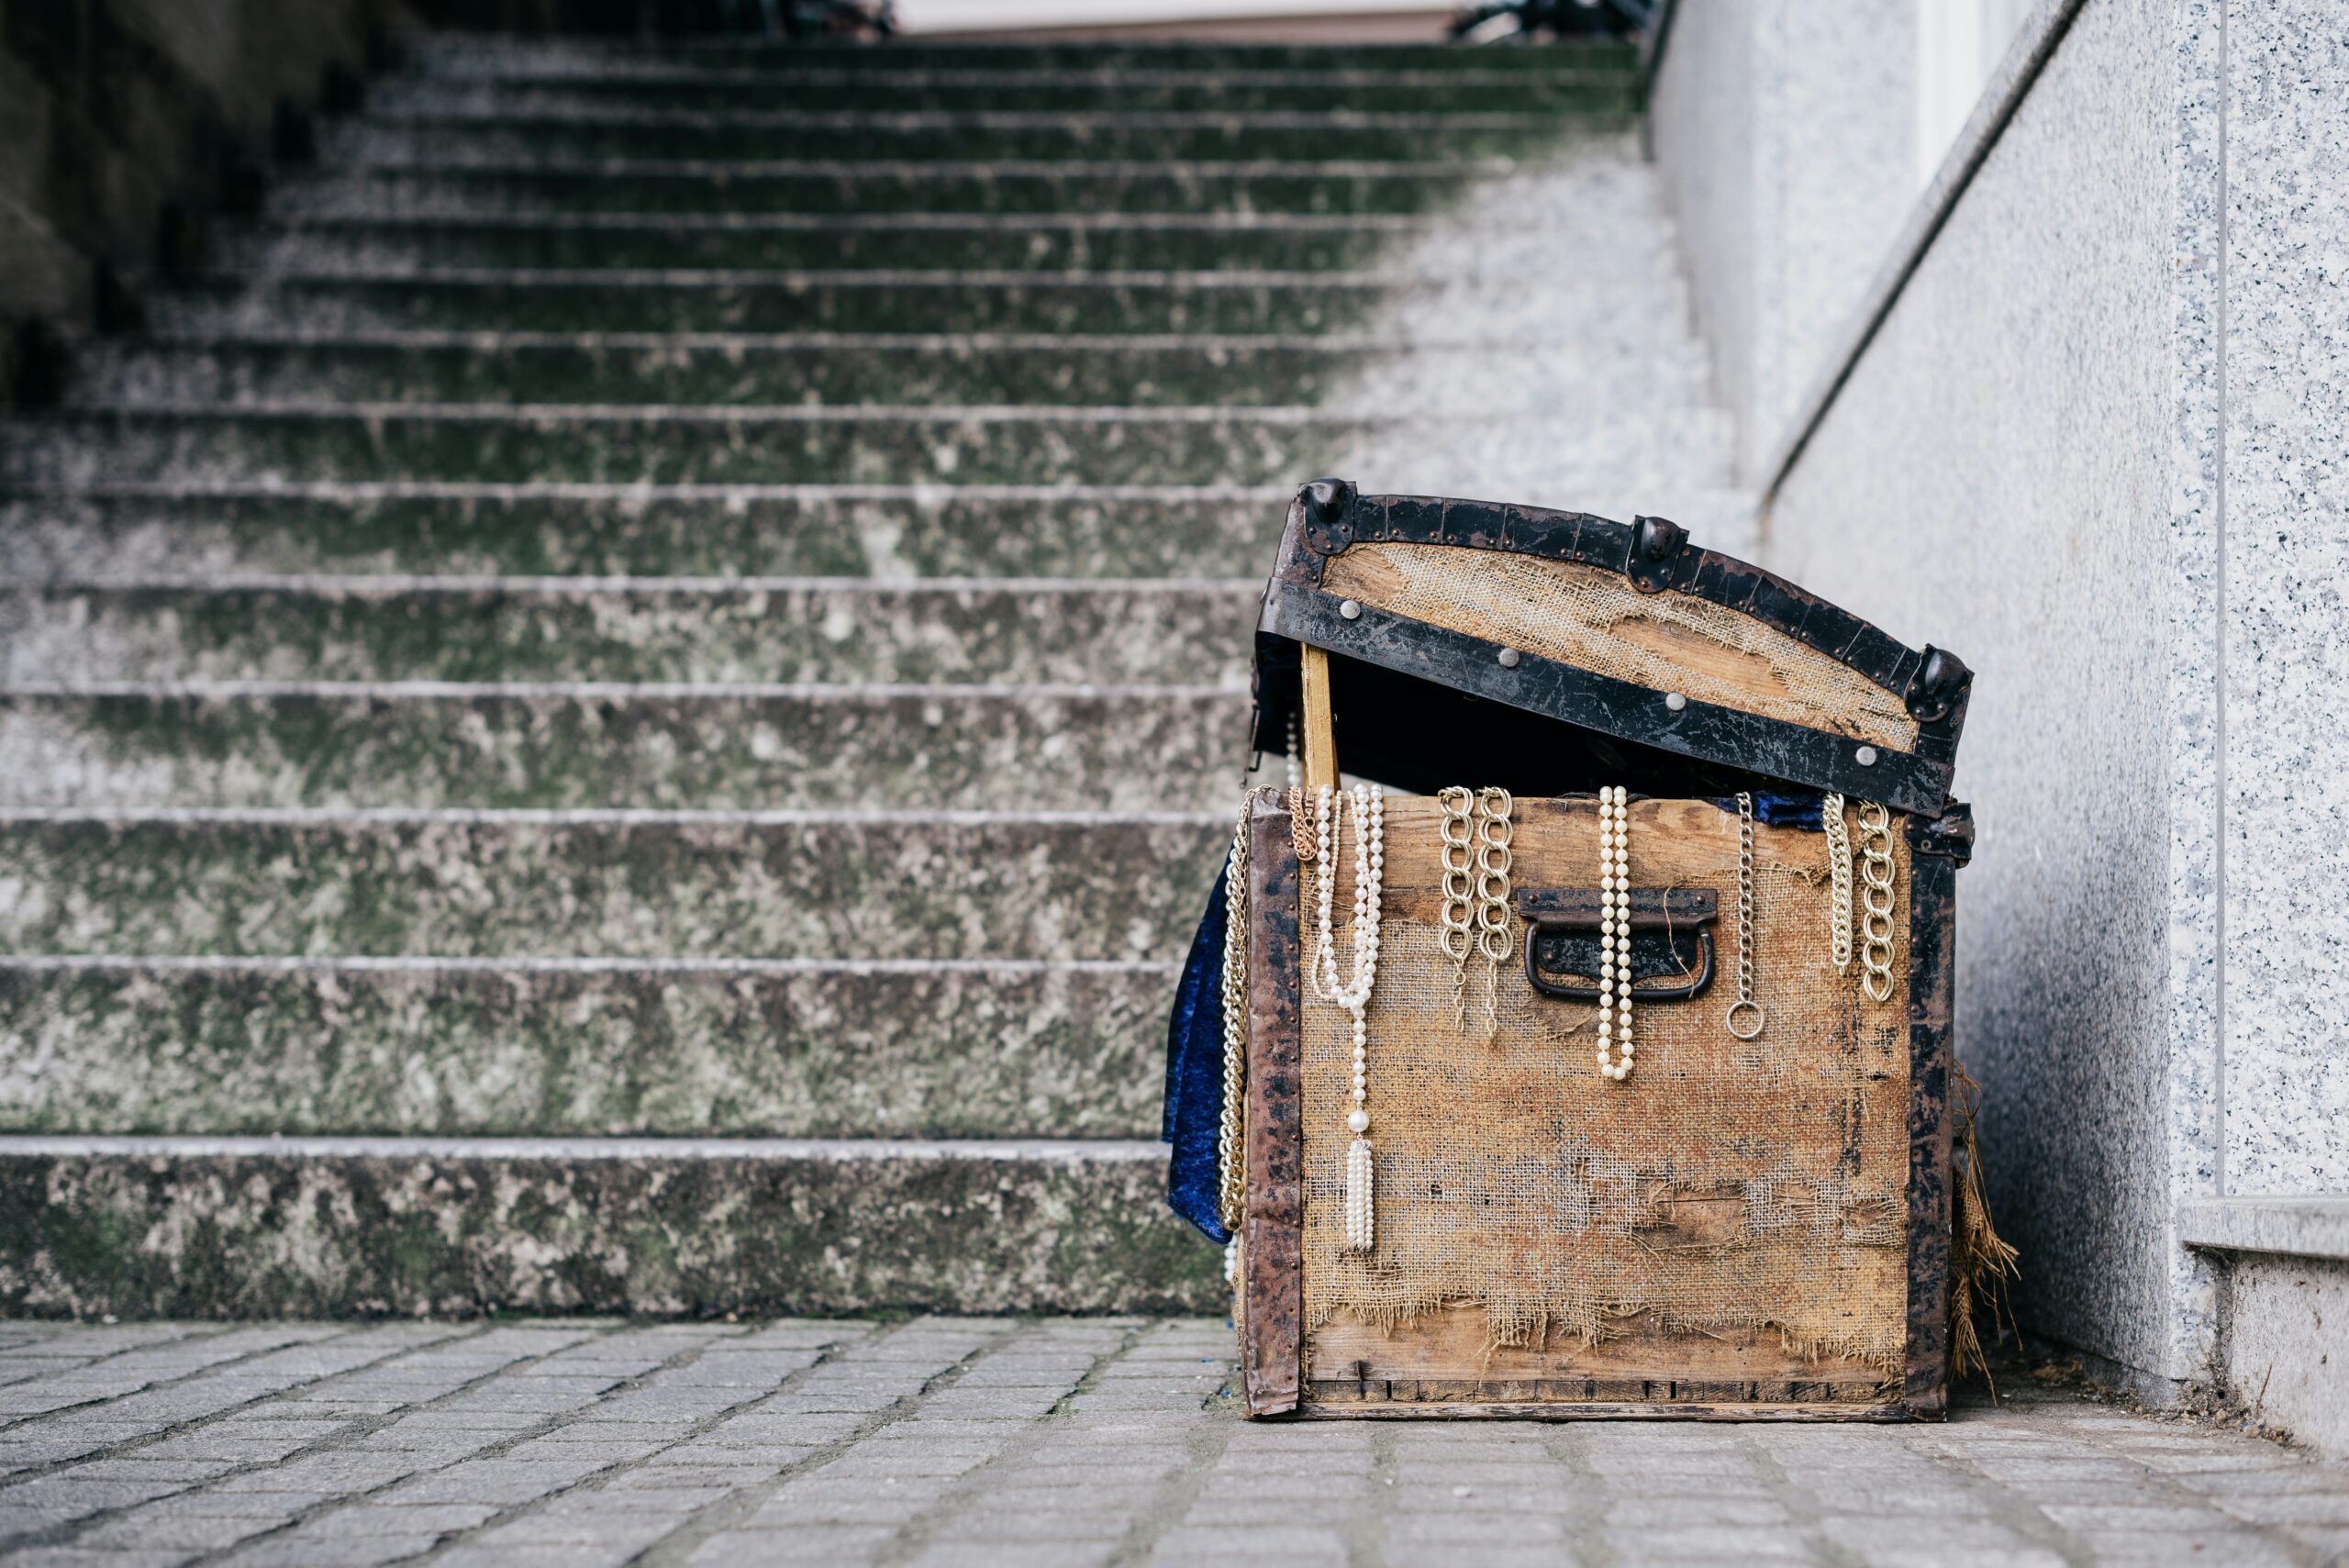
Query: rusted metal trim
{"x": 1950, "y": 835}
{"x": 1272, "y": 1234}
{"x": 1908, "y": 781}
{"x": 1653, "y": 553}
{"x": 1933, "y": 943}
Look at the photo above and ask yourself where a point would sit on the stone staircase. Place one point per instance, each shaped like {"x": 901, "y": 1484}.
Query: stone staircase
{"x": 630, "y": 709}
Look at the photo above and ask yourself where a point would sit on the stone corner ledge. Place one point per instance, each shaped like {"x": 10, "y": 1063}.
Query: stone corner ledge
{"x": 2301, "y": 1227}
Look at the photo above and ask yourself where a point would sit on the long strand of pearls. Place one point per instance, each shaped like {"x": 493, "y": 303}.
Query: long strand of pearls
{"x": 1614, "y": 933}
{"x": 1353, "y": 994}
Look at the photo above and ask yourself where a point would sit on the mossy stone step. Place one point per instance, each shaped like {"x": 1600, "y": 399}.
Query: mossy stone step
{"x": 435, "y": 745}
{"x": 1018, "y": 135}
{"x": 679, "y": 445}
{"x": 204, "y": 532}
{"x": 496, "y": 299}
{"x": 263, "y": 1228}
{"x": 817, "y": 187}
{"x": 742, "y": 1050}
{"x": 613, "y": 884}
{"x": 571, "y": 61}
{"x": 861, "y": 445}
{"x": 1599, "y": 91}
{"x": 1064, "y": 631}
{"x": 819, "y": 369}
{"x": 983, "y": 242}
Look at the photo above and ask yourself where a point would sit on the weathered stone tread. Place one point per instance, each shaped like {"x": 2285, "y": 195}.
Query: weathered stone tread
{"x": 775, "y": 1048}
{"x": 320, "y": 1227}
{"x": 620, "y": 884}
{"x": 564, "y": 745}
{"x": 1145, "y": 631}
{"x": 116, "y": 532}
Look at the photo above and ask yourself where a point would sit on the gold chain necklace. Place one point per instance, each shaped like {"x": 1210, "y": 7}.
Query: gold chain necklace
{"x": 1231, "y": 1172}
{"x": 1839, "y": 883}
{"x": 1875, "y": 925}
{"x": 1745, "y": 1017}
{"x": 1455, "y": 849}
{"x": 1494, "y": 938}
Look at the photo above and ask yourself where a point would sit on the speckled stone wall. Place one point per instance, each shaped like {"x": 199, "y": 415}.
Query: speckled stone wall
{"x": 2285, "y": 600}
{"x": 2097, "y": 447}
{"x": 1786, "y": 132}
{"x": 2279, "y": 1307}
{"x": 1998, "y": 477}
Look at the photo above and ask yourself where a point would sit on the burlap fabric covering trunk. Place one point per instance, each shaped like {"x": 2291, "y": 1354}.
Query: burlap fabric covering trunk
{"x": 1728, "y": 1185}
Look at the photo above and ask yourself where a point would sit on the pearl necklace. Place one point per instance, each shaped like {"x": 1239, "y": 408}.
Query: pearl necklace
{"x": 1353, "y": 992}
{"x": 1614, "y": 933}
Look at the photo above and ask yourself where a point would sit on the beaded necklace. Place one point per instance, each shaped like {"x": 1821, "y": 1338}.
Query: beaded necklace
{"x": 1353, "y": 994}
{"x": 1614, "y": 933}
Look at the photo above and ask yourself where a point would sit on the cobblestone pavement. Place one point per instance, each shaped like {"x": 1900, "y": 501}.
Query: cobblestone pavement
{"x": 964, "y": 1443}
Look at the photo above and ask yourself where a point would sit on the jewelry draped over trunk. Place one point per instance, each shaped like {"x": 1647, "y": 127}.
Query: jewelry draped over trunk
{"x": 1368, "y": 810}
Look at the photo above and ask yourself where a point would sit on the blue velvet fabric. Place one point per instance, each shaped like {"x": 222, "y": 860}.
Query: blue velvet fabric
{"x": 1791, "y": 811}
{"x": 1194, "y": 1074}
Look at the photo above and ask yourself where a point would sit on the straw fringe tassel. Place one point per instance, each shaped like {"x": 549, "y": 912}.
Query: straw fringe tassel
{"x": 1981, "y": 1264}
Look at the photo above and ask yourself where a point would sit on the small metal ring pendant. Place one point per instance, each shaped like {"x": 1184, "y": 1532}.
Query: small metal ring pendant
{"x": 1729, "y": 1019}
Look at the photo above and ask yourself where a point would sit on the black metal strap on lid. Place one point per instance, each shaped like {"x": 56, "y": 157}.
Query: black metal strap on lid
{"x": 1771, "y": 746}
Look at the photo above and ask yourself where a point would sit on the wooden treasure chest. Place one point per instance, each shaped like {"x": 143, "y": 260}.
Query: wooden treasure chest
{"x": 1606, "y": 1070}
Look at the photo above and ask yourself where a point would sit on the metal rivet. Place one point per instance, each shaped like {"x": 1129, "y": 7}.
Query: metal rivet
{"x": 1351, "y": 609}
{"x": 1509, "y": 657}
{"x": 1864, "y": 756}
{"x": 1674, "y": 701}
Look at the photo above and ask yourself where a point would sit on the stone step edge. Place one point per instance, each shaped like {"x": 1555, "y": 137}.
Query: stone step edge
{"x": 820, "y": 277}
{"x": 955, "y": 168}
{"x": 621, "y": 690}
{"x": 262, "y": 411}
{"x": 459, "y": 963}
{"x": 1038, "y": 76}
{"x": 315, "y": 1146}
{"x": 389, "y": 584}
{"x": 590, "y": 816}
{"x": 596, "y": 490}
{"x": 192, "y": 340}
{"x": 828, "y": 222}
{"x": 438, "y": 119}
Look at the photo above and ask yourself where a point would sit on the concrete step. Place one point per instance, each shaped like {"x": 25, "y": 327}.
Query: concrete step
{"x": 1066, "y": 631}
{"x": 1456, "y": 88}
{"x": 643, "y": 186}
{"x": 299, "y": 1227}
{"x": 570, "y": 61}
{"x": 851, "y": 885}
{"x": 863, "y": 445}
{"x": 777, "y": 1048}
{"x": 900, "y": 242}
{"x": 441, "y": 745}
{"x": 1016, "y": 135}
{"x": 210, "y": 533}
{"x": 869, "y": 300}
{"x": 819, "y": 369}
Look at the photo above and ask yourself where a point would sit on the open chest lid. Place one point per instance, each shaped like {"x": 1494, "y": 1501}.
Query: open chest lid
{"x": 1550, "y": 652}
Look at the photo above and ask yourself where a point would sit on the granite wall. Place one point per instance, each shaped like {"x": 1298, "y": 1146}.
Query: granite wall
{"x": 2097, "y": 446}
{"x": 1995, "y": 478}
{"x": 122, "y": 122}
{"x": 1786, "y": 130}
